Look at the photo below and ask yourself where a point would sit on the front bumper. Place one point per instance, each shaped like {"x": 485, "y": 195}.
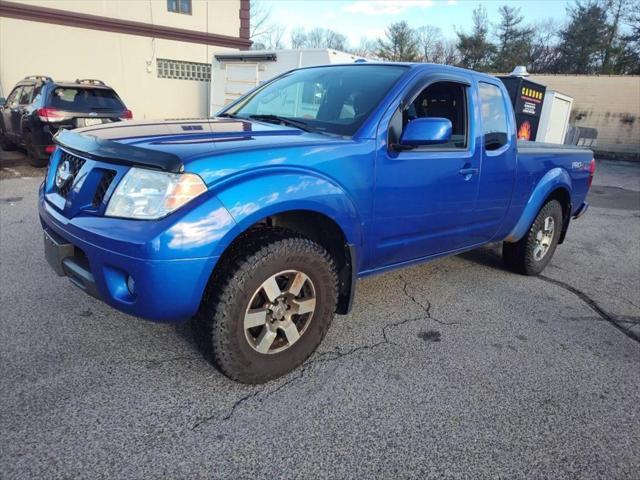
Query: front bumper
{"x": 167, "y": 290}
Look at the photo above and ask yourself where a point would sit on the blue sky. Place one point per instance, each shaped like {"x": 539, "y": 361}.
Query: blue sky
{"x": 356, "y": 19}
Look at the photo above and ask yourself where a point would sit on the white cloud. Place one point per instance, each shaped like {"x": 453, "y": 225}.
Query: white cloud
{"x": 385, "y": 7}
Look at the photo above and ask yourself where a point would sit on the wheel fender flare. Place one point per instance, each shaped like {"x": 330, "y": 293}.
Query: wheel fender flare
{"x": 252, "y": 199}
{"x": 551, "y": 181}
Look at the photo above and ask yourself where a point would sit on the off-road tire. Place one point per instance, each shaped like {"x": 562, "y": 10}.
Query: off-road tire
{"x": 519, "y": 256}
{"x": 218, "y": 326}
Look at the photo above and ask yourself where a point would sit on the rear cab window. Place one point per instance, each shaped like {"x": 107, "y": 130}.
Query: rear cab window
{"x": 85, "y": 99}
{"x": 494, "y": 116}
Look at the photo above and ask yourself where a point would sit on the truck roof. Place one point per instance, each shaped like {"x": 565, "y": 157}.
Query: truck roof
{"x": 411, "y": 65}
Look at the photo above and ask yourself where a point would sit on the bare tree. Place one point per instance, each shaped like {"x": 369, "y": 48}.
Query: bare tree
{"x": 273, "y": 39}
{"x": 318, "y": 38}
{"x": 264, "y": 33}
{"x": 543, "y": 51}
{"x": 428, "y": 39}
{"x": 334, "y": 40}
{"x": 367, "y": 48}
{"x": 315, "y": 38}
{"x": 445, "y": 52}
{"x": 259, "y": 20}
{"x": 298, "y": 38}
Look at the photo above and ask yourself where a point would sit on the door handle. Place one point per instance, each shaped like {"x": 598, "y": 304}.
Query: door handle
{"x": 467, "y": 172}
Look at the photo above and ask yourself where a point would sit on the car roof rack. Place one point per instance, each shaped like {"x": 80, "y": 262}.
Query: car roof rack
{"x": 39, "y": 78}
{"x": 90, "y": 81}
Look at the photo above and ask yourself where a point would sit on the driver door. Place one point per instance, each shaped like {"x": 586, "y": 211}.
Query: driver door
{"x": 425, "y": 197}
{"x": 9, "y": 108}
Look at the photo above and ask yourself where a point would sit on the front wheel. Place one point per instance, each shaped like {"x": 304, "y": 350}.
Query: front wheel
{"x": 270, "y": 307}
{"x": 533, "y": 252}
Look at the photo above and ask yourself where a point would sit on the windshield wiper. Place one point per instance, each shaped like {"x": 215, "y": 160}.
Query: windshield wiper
{"x": 284, "y": 120}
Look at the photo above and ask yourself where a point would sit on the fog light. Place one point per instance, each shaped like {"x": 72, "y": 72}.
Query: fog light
{"x": 131, "y": 285}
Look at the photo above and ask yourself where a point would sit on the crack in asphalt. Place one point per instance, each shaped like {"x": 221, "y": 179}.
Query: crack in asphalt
{"x": 426, "y": 309}
{"x": 594, "y": 306}
{"x": 263, "y": 393}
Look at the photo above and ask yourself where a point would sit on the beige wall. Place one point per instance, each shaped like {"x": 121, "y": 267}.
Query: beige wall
{"x": 125, "y": 62}
{"x": 213, "y": 16}
{"x": 609, "y": 103}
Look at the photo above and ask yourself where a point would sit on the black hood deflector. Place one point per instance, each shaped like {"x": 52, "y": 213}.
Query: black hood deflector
{"x": 84, "y": 144}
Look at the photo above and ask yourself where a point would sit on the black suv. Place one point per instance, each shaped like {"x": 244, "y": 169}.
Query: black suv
{"x": 38, "y": 106}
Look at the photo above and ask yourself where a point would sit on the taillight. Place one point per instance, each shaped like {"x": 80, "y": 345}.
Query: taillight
{"x": 49, "y": 148}
{"x": 592, "y": 171}
{"x": 126, "y": 115}
{"x": 51, "y": 115}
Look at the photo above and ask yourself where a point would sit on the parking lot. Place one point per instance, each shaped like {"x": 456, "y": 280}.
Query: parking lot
{"x": 453, "y": 369}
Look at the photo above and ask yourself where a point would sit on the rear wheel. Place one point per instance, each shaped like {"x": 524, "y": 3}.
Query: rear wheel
{"x": 5, "y": 143}
{"x": 33, "y": 157}
{"x": 269, "y": 307}
{"x": 533, "y": 252}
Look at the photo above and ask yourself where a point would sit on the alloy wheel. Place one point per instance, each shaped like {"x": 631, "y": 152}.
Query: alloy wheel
{"x": 280, "y": 312}
{"x": 544, "y": 238}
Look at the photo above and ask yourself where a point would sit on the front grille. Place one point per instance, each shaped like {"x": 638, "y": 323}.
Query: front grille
{"x": 75, "y": 164}
{"x": 103, "y": 186}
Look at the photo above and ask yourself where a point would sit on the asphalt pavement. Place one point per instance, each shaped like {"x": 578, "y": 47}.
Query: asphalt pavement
{"x": 452, "y": 369}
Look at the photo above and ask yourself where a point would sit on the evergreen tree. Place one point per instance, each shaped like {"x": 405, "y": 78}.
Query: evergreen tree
{"x": 514, "y": 40}
{"x": 400, "y": 44}
{"x": 582, "y": 40}
{"x": 476, "y": 51}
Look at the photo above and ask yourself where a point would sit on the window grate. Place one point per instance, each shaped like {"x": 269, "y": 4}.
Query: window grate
{"x": 180, "y": 70}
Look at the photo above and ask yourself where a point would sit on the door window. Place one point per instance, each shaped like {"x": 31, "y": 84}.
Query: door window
{"x": 441, "y": 99}
{"x": 494, "y": 117}
{"x": 25, "y": 96}
{"x": 12, "y": 101}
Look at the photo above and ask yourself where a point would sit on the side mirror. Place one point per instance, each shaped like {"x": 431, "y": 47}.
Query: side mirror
{"x": 425, "y": 131}
{"x": 2, "y": 101}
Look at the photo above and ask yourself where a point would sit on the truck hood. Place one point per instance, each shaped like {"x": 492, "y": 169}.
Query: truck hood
{"x": 190, "y": 140}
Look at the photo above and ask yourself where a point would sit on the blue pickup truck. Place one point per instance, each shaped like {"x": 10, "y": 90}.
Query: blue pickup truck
{"x": 256, "y": 224}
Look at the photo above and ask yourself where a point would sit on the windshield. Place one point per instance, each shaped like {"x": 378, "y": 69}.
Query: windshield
{"x": 329, "y": 99}
{"x": 85, "y": 99}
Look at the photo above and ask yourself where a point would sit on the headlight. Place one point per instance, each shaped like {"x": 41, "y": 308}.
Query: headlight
{"x": 148, "y": 194}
